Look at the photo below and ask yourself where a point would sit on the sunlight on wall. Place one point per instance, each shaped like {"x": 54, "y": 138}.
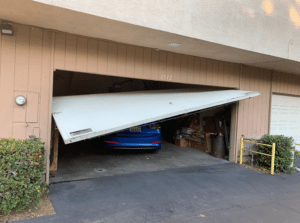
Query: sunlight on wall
{"x": 268, "y": 7}
{"x": 292, "y": 6}
{"x": 250, "y": 12}
{"x": 295, "y": 17}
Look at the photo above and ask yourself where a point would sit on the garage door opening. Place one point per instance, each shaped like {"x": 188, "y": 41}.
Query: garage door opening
{"x": 89, "y": 159}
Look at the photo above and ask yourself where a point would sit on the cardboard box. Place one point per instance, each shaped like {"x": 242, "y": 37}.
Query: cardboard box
{"x": 197, "y": 145}
{"x": 194, "y": 122}
{"x": 182, "y": 142}
{"x": 203, "y": 145}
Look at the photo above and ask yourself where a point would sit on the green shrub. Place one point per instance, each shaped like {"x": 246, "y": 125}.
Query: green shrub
{"x": 297, "y": 154}
{"x": 21, "y": 173}
{"x": 283, "y": 154}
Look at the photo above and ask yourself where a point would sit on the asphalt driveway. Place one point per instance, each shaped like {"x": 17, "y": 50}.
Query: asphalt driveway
{"x": 214, "y": 193}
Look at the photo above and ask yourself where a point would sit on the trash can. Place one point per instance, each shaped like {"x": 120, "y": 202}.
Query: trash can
{"x": 218, "y": 148}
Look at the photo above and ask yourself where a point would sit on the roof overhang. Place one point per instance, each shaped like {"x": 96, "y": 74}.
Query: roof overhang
{"x": 242, "y": 46}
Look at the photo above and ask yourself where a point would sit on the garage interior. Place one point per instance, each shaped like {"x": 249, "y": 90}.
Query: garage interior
{"x": 187, "y": 139}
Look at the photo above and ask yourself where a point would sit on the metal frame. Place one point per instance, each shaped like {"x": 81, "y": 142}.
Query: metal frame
{"x": 273, "y": 146}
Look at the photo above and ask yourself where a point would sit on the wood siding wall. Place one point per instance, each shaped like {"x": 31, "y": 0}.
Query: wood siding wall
{"x": 253, "y": 113}
{"x": 26, "y": 69}
{"x": 284, "y": 83}
{"x": 28, "y": 59}
{"x": 80, "y": 54}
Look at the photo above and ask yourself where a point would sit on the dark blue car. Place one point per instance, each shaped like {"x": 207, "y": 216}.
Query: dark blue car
{"x": 139, "y": 137}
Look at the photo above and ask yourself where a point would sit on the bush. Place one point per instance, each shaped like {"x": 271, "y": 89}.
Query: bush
{"x": 21, "y": 173}
{"x": 283, "y": 153}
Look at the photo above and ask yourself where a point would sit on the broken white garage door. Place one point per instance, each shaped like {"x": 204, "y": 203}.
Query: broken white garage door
{"x": 87, "y": 116}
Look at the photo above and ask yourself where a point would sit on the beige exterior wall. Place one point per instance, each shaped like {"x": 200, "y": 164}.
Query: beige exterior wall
{"x": 262, "y": 26}
{"x": 29, "y": 58}
{"x": 236, "y": 31}
{"x": 81, "y": 54}
{"x": 26, "y": 69}
{"x": 254, "y": 112}
{"x": 284, "y": 83}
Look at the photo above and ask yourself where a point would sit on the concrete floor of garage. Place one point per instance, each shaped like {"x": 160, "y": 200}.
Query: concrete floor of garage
{"x": 87, "y": 160}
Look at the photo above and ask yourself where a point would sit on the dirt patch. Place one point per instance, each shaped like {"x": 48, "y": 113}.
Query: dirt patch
{"x": 262, "y": 170}
{"x": 45, "y": 208}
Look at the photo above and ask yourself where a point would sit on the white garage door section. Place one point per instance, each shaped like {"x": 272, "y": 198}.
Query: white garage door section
{"x": 87, "y": 116}
{"x": 285, "y": 117}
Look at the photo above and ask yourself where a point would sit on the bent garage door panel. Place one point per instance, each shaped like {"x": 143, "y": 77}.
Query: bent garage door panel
{"x": 87, "y": 116}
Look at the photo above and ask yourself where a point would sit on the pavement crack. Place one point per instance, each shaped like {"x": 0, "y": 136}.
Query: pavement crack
{"x": 259, "y": 205}
{"x": 292, "y": 209}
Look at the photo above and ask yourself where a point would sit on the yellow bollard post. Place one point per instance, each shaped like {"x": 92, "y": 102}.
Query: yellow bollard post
{"x": 241, "y": 151}
{"x": 273, "y": 159}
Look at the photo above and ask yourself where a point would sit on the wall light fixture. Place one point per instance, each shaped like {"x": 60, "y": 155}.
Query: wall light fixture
{"x": 6, "y": 28}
